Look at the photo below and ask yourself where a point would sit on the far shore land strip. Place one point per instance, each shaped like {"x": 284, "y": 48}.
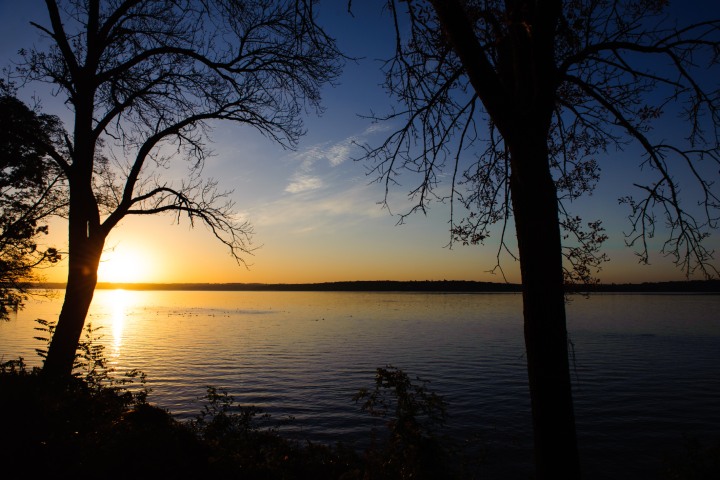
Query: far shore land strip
{"x": 437, "y": 286}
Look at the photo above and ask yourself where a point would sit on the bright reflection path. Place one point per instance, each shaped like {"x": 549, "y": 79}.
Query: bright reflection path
{"x": 119, "y": 300}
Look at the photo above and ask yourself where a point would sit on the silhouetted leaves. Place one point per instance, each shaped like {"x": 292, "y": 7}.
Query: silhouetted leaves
{"x": 30, "y": 192}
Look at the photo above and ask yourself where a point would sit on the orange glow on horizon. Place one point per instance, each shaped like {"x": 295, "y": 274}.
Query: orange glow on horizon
{"x": 147, "y": 251}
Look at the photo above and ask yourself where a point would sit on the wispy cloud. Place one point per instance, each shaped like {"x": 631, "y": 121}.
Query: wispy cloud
{"x": 316, "y": 162}
{"x": 374, "y": 128}
{"x": 312, "y": 209}
{"x": 304, "y": 183}
{"x": 325, "y": 196}
{"x": 340, "y": 151}
{"x": 334, "y": 153}
{"x": 309, "y": 156}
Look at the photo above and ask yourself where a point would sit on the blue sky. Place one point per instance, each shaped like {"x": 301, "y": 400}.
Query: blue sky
{"x": 316, "y": 214}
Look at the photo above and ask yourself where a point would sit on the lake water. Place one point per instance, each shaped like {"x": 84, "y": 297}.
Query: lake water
{"x": 646, "y": 367}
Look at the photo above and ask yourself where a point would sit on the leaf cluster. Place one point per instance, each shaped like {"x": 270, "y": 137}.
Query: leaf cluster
{"x": 31, "y": 191}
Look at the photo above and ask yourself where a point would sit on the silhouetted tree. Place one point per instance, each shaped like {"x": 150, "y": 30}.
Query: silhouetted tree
{"x": 144, "y": 79}
{"x": 30, "y": 192}
{"x": 512, "y": 102}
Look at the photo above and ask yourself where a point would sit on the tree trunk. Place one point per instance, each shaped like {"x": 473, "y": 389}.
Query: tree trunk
{"x": 86, "y": 236}
{"x": 86, "y": 242}
{"x": 535, "y": 208}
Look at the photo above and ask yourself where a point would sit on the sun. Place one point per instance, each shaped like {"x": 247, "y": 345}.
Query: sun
{"x": 124, "y": 265}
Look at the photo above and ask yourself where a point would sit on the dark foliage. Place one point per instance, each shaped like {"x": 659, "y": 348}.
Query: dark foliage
{"x": 411, "y": 447}
{"x": 101, "y": 422}
{"x": 30, "y": 193}
{"x": 64, "y": 431}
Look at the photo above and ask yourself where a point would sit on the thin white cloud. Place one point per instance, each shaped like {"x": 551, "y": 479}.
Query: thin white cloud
{"x": 376, "y": 127}
{"x": 334, "y": 153}
{"x": 313, "y": 209}
{"x": 339, "y": 152}
{"x": 304, "y": 183}
{"x": 309, "y": 156}
{"x": 309, "y": 175}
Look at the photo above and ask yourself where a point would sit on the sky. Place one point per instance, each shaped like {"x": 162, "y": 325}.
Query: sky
{"x": 315, "y": 211}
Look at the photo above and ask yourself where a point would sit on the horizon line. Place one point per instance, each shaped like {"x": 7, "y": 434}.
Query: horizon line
{"x": 706, "y": 286}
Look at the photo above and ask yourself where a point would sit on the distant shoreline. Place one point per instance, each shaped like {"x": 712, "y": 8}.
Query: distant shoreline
{"x": 440, "y": 286}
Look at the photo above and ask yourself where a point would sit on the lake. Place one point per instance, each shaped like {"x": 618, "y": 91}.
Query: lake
{"x": 646, "y": 368}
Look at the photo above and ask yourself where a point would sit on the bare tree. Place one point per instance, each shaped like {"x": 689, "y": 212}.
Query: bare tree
{"x": 515, "y": 102}
{"x": 144, "y": 80}
{"x": 30, "y": 193}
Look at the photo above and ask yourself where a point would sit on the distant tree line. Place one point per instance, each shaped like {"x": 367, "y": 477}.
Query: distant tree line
{"x": 438, "y": 286}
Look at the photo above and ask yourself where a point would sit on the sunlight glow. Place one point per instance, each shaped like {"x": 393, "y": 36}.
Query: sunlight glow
{"x": 124, "y": 265}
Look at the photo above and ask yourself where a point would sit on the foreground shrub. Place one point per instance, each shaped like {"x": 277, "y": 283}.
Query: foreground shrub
{"x": 100, "y": 423}
{"x": 52, "y": 429}
{"x": 243, "y": 441}
{"x": 411, "y": 447}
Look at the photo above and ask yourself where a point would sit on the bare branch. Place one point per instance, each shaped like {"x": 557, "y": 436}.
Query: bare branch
{"x": 620, "y": 67}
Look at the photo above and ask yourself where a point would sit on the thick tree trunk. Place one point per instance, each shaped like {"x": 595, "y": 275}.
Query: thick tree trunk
{"x": 535, "y": 209}
{"x": 86, "y": 237}
{"x": 518, "y": 89}
{"x": 61, "y": 354}
{"x": 86, "y": 242}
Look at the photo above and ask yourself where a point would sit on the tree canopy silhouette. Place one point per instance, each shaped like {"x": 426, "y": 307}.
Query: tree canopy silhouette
{"x": 145, "y": 79}
{"x": 30, "y": 193}
{"x": 507, "y": 107}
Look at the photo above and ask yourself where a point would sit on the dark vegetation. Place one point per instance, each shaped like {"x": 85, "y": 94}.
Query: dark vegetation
{"x": 101, "y": 421}
{"x": 29, "y": 194}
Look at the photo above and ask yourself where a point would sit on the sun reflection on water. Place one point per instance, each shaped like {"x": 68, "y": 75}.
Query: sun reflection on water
{"x": 119, "y": 301}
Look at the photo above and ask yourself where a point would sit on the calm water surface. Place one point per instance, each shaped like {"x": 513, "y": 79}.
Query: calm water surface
{"x": 646, "y": 367}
